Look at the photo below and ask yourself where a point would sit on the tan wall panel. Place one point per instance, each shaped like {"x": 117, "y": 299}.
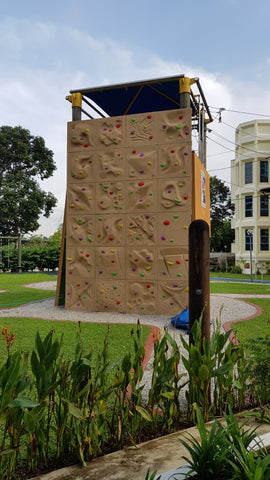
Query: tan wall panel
{"x": 129, "y": 202}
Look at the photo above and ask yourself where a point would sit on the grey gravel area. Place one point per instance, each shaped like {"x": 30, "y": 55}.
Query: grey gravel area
{"x": 222, "y": 308}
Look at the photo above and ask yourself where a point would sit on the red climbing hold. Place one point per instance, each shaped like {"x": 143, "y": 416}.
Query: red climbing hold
{"x": 166, "y": 222}
{"x": 141, "y": 184}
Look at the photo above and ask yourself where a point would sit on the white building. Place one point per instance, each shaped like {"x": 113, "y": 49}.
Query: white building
{"x": 250, "y": 193}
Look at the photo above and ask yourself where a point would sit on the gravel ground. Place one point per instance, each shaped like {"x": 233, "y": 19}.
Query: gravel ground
{"x": 224, "y": 308}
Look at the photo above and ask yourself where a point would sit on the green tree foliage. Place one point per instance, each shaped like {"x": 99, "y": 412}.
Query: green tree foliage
{"x": 24, "y": 159}
{"x": 221, "y": 211}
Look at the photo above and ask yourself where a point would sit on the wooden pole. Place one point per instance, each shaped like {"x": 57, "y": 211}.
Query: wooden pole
{"x": 199, "y": 277}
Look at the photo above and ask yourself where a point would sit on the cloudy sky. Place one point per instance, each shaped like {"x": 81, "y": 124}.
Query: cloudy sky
{"x": 49, "y": 48}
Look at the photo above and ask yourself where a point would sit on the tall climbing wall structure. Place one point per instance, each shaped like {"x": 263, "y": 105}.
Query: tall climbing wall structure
{"x": 129, "y": 184}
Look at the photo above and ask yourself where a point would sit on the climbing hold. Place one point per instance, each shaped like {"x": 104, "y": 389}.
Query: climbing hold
{"x": 163, "y": 238}
{"x": 172, "y": 151}
{"x": 149, "y": 116}
{"x": 140, "y": 184}
{"x": 118, "y": 125}
{"x": 170, "y": 263}
{"x": 166, "y": 222}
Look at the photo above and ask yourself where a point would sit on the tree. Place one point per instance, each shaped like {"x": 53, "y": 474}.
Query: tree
{"x": 221, "y": 212}
{"x": 23, "y": 160}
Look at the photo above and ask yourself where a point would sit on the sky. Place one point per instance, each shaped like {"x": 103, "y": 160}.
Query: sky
{"x": 49, "y": 48}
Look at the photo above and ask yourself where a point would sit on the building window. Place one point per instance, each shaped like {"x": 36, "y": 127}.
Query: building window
{"x": 248, "y": 172}
{"x": 248, "y": 240}
{"x": 248, "y": 206}
{"x": 264, "y": 172}
{"x": 264, "y": 239}
{"x": 264, "y": 206}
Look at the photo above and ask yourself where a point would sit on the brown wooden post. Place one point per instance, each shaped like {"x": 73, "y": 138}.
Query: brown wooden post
{"x": 199, "y": 277}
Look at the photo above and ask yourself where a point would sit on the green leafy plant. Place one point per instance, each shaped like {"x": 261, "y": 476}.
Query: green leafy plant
{"x": 207, "y": 456}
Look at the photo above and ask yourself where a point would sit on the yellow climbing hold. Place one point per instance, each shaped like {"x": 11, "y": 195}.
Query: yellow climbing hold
{"x": 113, "y": 250}
{"x": 72, "y": 205}
{"x": 69, "y": 259}
{"x": 149, "y": 163}
{"x": 170, "y": 263}
{"x": 185, "y": 227}
{"x": 89, "y": 198}
{"x": 175, "y": 164}
{"x": 121, "y": 225}
{"x": 148, "y": 267}
{"x": 130, "y": 307}
{"x": 101, "y": 291}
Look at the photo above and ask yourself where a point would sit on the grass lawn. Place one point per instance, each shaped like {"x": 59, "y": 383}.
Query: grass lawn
{"x": 238, "y": 276}
{"x": 230, "y": 287}
{"x": 25, "y": 328}
{"x": 17, "y": 294}
{"x": 255, "y": 327}
{"x": 92, "y": 334}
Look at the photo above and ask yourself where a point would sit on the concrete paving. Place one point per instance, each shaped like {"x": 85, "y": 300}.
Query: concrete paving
{"x": 164, "y": 454}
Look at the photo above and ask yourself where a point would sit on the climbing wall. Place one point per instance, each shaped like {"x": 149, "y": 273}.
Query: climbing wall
{"x": 128, "y": 213}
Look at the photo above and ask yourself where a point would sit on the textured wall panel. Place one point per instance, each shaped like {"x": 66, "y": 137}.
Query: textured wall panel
{"x": 128, "y": 211}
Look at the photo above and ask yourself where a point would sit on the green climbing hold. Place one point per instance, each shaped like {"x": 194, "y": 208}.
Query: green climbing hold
{"x": 162, "y": 164}
{"x": 133, "y": 120}
{"x": 179, "y": 275}
{"x": 105, "y": 186}
{"x": 176, "y": 216}
{"x": 177, "y": 200}
{"x": 142, "y": 274}
{"x": 114, "y": 273}
{"x": 80, "y": 220}
{"x": 100, "y": 218}
{"x": 89, "y": 239}
{"x": 138, "y": 238}
{"x": 178, "y": 127}
{"x": 84, "y": 297}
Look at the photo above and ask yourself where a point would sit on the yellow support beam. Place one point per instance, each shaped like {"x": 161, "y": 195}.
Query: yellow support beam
{"x": 185, "y": 83}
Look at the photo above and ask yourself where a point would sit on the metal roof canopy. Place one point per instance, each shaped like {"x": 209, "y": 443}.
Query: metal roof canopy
{"x": 141, "y": 97}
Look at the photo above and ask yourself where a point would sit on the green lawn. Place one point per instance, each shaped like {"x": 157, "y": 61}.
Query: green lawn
{"x": 255, "y": 327}
{"x": 238, "y": 276}
{"x": 92, "y": 334}
{"x": 237, "y": 287}
{"x": 25, "y": 328}
{"x": 17, "y": 294}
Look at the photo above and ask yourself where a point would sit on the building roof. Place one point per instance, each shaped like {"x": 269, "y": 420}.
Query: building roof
{"x": 140, "y": 97}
